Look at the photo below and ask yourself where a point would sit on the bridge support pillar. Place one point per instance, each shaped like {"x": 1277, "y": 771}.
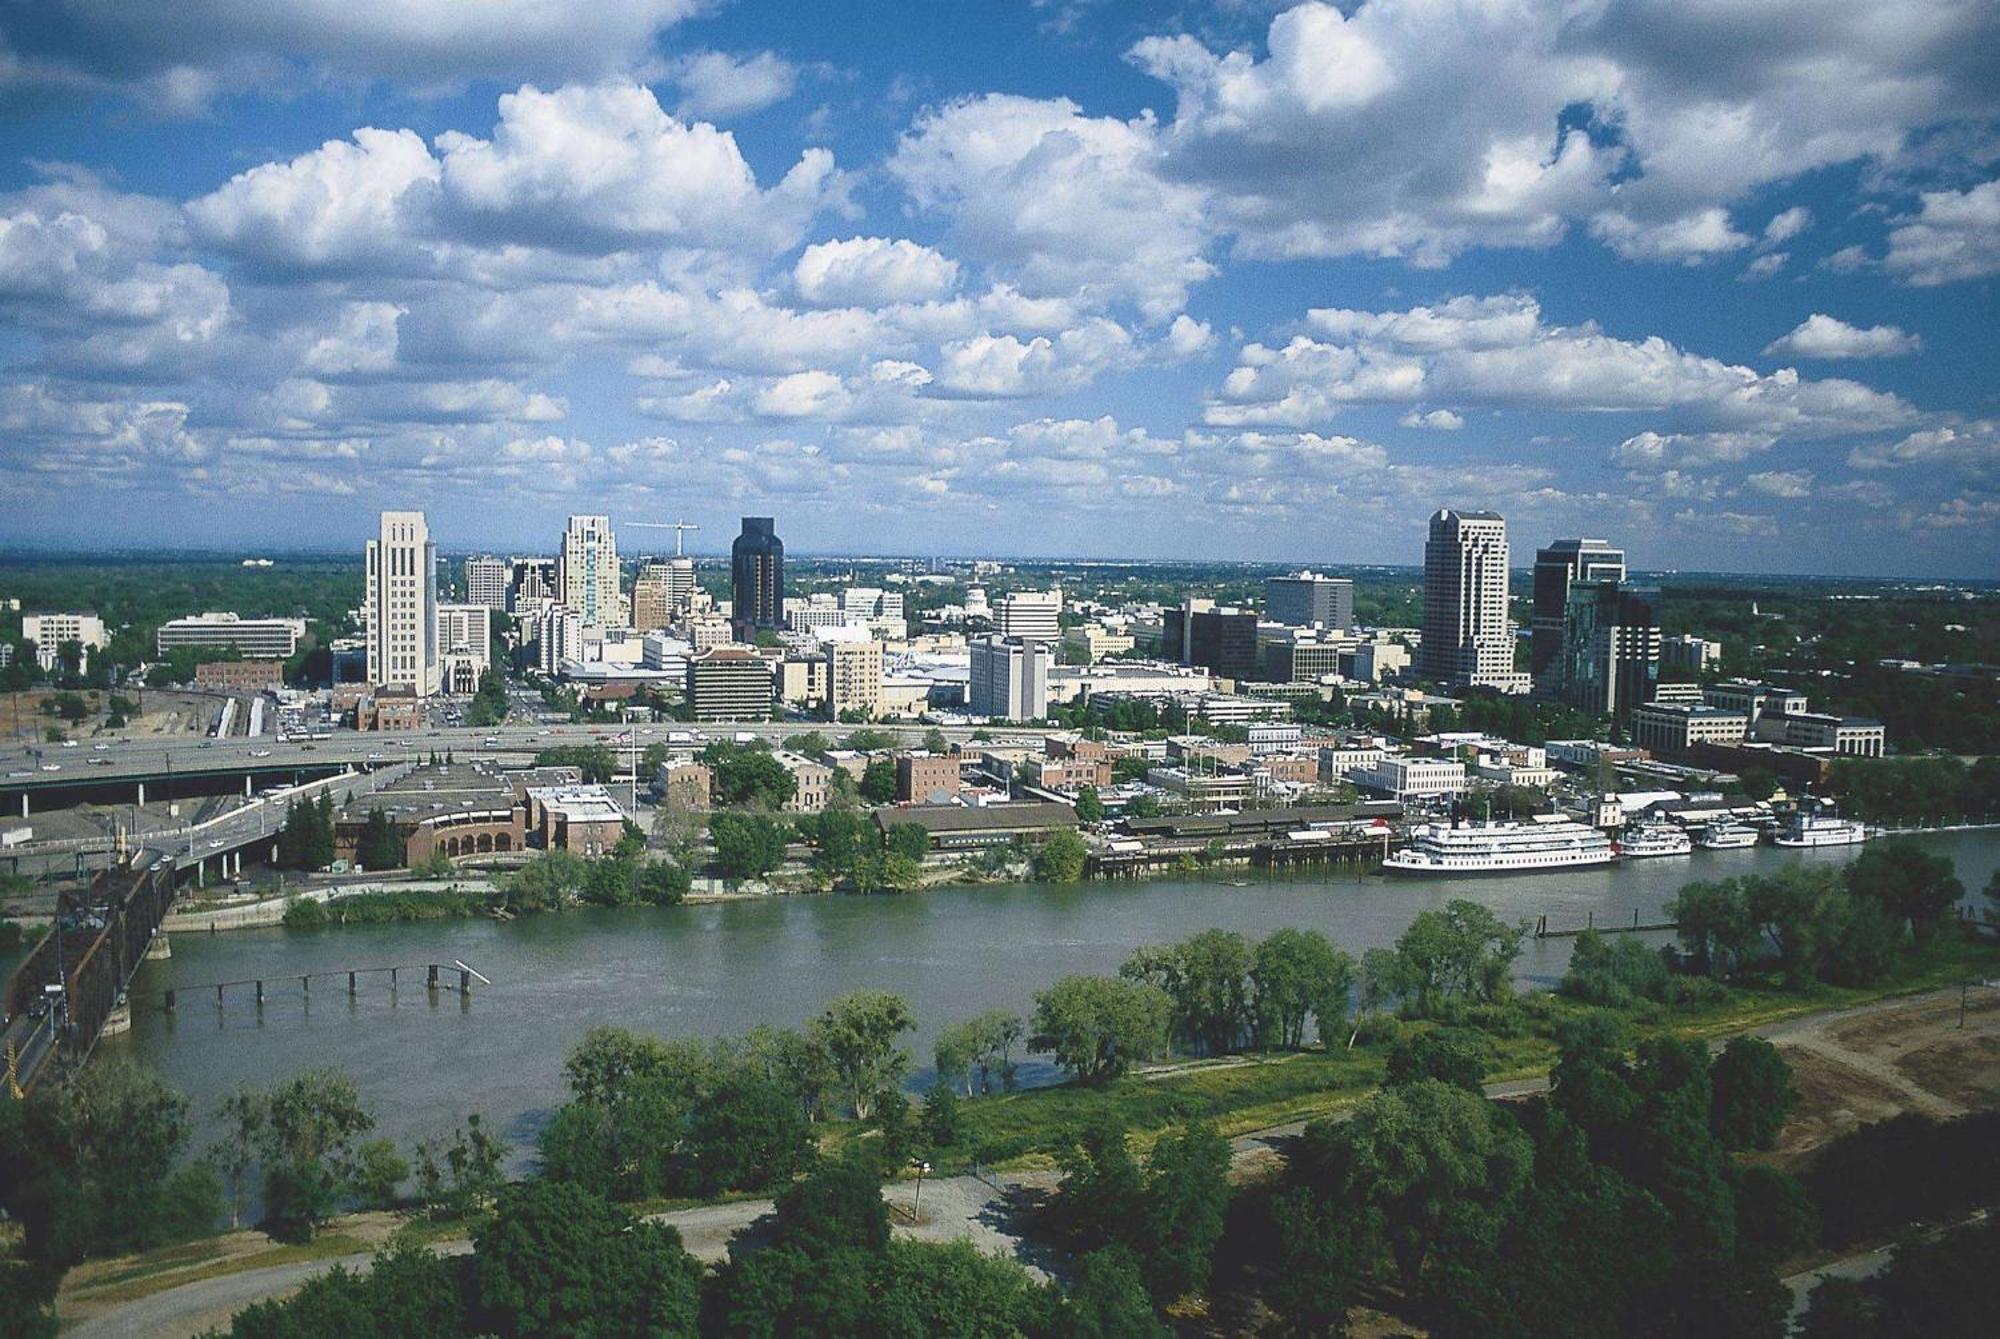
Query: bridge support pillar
{"x": 431, "y": 981}
{"x": 170, "y": 1001}
{"x": 260, "y": 994}
{"x": 24, "y": 804}
{"x": 142, "y": 794}
{"x": 158, "y": 947}
{"x": 201, "y": 871}
{"x": 350, "y": 984}
{"x": 246, "y": 785}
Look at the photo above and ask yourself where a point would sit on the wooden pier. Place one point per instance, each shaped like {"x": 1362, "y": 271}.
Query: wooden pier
{"x": 436, "y": 977}
{"x": 1542, "y": 930}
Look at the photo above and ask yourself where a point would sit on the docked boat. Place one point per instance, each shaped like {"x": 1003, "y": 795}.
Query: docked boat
{"x": 1645, "y": 840}
{"x": 1500, "y": 848}
{"x": 1726, "y": 837}
{"x": 1811, "y": 829}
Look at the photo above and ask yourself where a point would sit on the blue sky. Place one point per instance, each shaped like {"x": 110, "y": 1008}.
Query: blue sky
{"x": 1244, "y": 280}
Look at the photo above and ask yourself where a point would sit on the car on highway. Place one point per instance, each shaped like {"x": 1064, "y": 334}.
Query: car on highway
{"x": 51, "y": 767}
{"x": 208, "y": 743}
{"x": 69, "y": 743}
{"x": 260, "y": 753}
{"x": 16, "y": 775}
{"x": 100, "y": 747}
{"x": 98, "y": 762}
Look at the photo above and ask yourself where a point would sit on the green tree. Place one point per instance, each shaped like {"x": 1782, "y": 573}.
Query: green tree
{"x": 908, "y": 841}
{"x": 407, "y": 1293}
{"x": 749, "y": 776}
{"x": 1059, "y": 858}
{"x": 1752, "y": 1094}
{"x": 555, "y": 1259}
{"x": 745, "y": 1133}
{"x": 1208, "y": 978}
{"x": 594, "y": 762}
{"x": 747, "y": 846}
{"x": 234, "y": 1156}
{"x": 1459, "y": 1057}
{"x": 1461, "y": 952}
{"x": 380, "y": 845}
{"x": 1097, "y": 1026}
{"x": 1099, "y": 1201}
{"x": 983, "y": 1045}
{"x": 1089, "y": 806}
{"x": 1915, "y": 887}
{"x": 1715, "y": 926}
{"x": 1295, "y": 975}
{"x": 307, "y": 1143}
{"x": 379, "y": 1170}
{"x": 1182, "y": 1209}
{"x": 1429, "y": 1157}
{"x": 953, "y": 1290}
{"x": 878, "y": 781}
{"x": 1108, "y": 1299}
{"x": 858, "y": 1034}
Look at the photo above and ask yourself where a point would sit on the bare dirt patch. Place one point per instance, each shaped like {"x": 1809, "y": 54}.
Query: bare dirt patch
{"x": 1833, "y": 1099}
{"x": 1965, "y": 1069}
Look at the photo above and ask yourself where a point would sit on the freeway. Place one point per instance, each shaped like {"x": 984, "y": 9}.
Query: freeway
{"x": 49, "y": 767}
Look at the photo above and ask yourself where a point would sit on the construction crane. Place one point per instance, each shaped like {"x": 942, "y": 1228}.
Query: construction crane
{"x": 679, "y": 528}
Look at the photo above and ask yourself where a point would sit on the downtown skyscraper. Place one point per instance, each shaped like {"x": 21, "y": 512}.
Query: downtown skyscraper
{"x": 1466, "y": 638}
{"x": 399, "y": 605}
{"x": 587, "y": 572}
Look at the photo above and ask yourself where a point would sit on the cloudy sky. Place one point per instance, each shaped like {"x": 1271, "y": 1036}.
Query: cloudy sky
{"x": 1713, "y": 278}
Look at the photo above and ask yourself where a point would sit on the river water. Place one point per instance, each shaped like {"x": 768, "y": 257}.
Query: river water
{"x": 702, "y": 971}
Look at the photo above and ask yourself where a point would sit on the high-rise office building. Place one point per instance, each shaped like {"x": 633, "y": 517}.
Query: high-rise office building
{"x": 1221, "y": 641}
{"x": 486, "y": 582}
{"x": 399, "y": 609}
{"x": 1609, "y": 659}
{"x": 1306, "y": 599}
{"x": 558, "y": 637}
{"x": 1010, "y": 678}
{"x": 464, "y": 641}
{"x": 588, "y": 571}
{"x": 757, "y": 578}
{"x": 48, "y": 631}
{"x": 530, "y": 581}
{"x": 663, "y": 593}
{"x": 1557, "y": 568}
{"x": 1033, "y": 615}
{"x": 1466, "y": 640}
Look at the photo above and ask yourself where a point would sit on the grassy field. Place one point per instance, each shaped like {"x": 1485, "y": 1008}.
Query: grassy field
{"x": 1244, "y": 1094}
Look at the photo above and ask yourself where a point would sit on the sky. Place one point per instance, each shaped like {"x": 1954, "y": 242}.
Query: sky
{"x": 1712, "y": 279}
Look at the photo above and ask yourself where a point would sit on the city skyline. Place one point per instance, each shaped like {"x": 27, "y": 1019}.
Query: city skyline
{"x": 1077, "y": 280}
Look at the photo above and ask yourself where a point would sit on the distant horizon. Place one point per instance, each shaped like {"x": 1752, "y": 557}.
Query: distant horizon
{"x": 454, "y": 553}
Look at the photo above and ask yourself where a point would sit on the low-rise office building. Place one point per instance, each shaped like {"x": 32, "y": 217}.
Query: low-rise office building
{"x": 582, "y": 820}
{"x": 448, "y": 809}
{"x": 1412, "y": 778}
{"x": 927, "y": 778}
{"x": 1852, "y": 735}
{"x": 1674, "y": 728}
{"x": 812, "y": 782}
{"x": 258, "y": 638}
{"x": 48, "y": 631}
{"x": 729, "y": 683}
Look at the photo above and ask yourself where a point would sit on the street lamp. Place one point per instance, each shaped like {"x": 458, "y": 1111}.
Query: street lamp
{"x": 917, "y": 1210}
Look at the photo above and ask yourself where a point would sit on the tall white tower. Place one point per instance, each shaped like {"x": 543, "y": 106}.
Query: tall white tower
{"x": 400, "y": 605}
{"x": 1466, "y": 637}
{"x": 589, "y": 571}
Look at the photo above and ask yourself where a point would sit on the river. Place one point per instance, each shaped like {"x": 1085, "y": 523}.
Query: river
{"x": 720, "y": 968}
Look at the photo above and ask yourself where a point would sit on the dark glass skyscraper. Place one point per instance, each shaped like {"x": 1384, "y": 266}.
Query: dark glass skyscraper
{"x": 757, "y": 579}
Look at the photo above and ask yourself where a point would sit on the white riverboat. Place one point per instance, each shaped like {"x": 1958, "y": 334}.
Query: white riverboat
{"x": 1726, "y": 837}
{"x": 1551, "y": 842}
{"x": 1643, "y": 841}
{"x": 1828, "y": 829}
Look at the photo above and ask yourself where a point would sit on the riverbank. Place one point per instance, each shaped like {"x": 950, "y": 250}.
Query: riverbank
{"x": 186, "y": 1289}
{"x": 1247, "y": 1093}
